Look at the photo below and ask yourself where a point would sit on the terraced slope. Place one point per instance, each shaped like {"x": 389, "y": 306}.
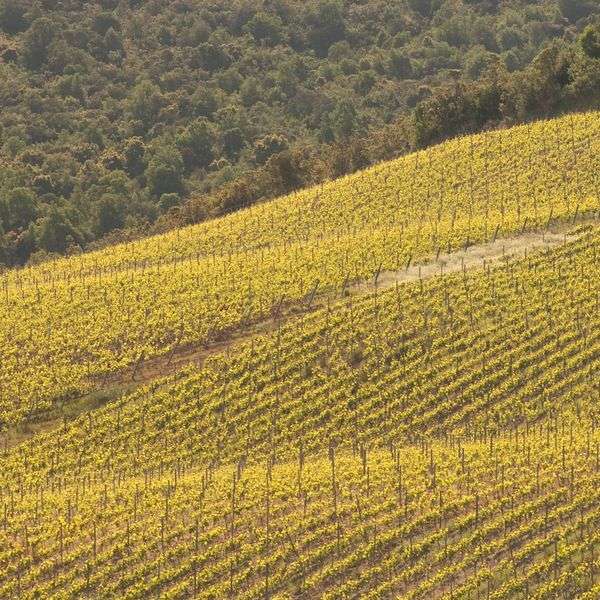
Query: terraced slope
{"x": 435, "y": 440}
{"x": 65, "y": 324}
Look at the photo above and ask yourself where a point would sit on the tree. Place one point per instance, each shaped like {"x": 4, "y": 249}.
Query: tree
{"x": 43, "y": 184}
{"x": 399, "y": 65}
{"x": 444, "y": 114}
{"x": 233, "y": 142}
{"x": 23, "y": 245}
{"x": 326, "y": 26}
{"x": 250, "y": 92}
{"x": 134, "y": 152}
{"x": 344, "y": 120}
{"x": 339, "y": 51}
{"x": 364, "y": 82}
{"x": 109, "y": 214}
{"x": 284, "y": 172}
{"x": 203, "y": 102}
{"x": 477, "y": 62}
{"x": 544, "y": 80}
{"x": 113, "y": 41}
{"x": 573, "y": 10}
{"x": 168, "y": 201}
{"x": 590, "y": 41}
{"x": 423, "y": 7}
{"x": 5, "y": 257}
{"x": 266, "y": 27}
{"x": 165, "y": 172}
{"x": 268, "y": 146}
{"x": 211, "y": 57}
{"x": 104, "y": 21}
{"x": 21, "y": 208}
{"x": 145, "y": 102}
{"x": 196, "y": 143}
{"x": 112, "y": 159}
{"x": 55, "y": 232}
{"x": 12, "y": 16}
{"x": 347, "y": 157}
{"x": 37, "y": 41}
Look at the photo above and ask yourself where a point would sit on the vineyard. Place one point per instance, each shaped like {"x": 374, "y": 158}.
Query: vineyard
{"x": 66, "y": 324}
{"x": 438, "y": 438}
{"x": 506, "y": 516}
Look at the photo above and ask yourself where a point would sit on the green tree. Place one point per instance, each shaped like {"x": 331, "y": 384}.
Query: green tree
{"x": 268, "y": 146}
{"x": 423, "y": 7}
{"x": 108, "y": 214}
{"x": 23, "y": 245}
{"x": 104, "y": 21}
{"x": 113, "y": 41}
{"x": 233, "y": 142}
{"x": 145, "y": 102}
{"x": 344, "y": 120}
{"x": 250, "y": 91}
{"x": 399, "y": 65}
{"x": 55, "y": 232}
{"x": 266, "y": 27}
{"x": 339, "y": 51}
{"x": 196, "y": 143}
{"x": 134, "y": 152}
{"x": 37, "y": 41}
{"x": 543, "y": 83}
{"x": 326, "y": 26}
{"x": 112, "y": 159}
{"x": 5, "y": 257}
{"x": 21, "y": 207}
{"x": 575, "y": 9}
{"x": 443, "y": 114}
{"x": 165, "y": 172}
{"x": 168, "y": 201}
{"x": 203, "y": 102}
{"x": 364, "y": 82}
{"x": 212, "y": 57}
{"x": 12, "y": 16}
{"x": 590, "y": 41}
{"x": 284, "y": 171}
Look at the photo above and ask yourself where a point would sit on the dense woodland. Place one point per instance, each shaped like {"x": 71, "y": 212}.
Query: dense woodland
{"x": 120, "y": 118}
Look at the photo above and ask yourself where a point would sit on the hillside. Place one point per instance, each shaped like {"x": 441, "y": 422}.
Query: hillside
{"x": 503, "y": 517}
{"x": 438, "y": 439}
{"x": 462, "y": 353}
{"x": 381, "y": 387}
{"x": 68, "y": 324}
{"x": 122, "y": 117}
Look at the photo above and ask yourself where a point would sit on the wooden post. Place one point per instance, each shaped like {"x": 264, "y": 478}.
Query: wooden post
{"x": 137, "y": 364}
{"x": 345, "y": 284}
{"x": 377, "y": 273}
{"x": 312, "y": 295}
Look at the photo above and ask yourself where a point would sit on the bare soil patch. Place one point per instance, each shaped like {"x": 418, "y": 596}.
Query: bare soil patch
{"x": 472, "y": 257}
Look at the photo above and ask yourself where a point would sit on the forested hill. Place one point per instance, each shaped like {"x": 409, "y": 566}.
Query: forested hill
{"x": 119, "y": 118}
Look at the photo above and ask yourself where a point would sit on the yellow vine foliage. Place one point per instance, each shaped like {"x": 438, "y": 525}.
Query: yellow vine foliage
{"x": 438, "y": 439}
{"x": 461, "y": 353}
{"x": 501, "y": 516}
{"x": 65, "y": 323}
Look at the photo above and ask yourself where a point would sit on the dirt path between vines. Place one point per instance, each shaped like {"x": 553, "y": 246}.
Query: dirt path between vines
{"x": 471, "y": 258}
{"x": 116, "y": 384}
